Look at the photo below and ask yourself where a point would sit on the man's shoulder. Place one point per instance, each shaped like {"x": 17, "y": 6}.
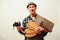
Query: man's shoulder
{"x": 26, "y": 18}
{"x": 25, "y": 21}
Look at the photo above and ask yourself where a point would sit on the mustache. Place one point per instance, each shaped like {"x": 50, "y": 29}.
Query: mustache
{"x": 32, "y": 10}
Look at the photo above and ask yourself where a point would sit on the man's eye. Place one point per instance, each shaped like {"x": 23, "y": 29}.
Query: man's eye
{"x": 29, "y": 7}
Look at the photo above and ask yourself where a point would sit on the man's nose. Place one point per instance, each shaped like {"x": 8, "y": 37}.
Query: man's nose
{"x": 32, "y": 9}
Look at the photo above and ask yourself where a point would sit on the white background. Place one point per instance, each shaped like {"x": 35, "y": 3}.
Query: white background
{"x": 15, "y": 10}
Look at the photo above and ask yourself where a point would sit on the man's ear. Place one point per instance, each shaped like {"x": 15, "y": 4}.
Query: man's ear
{"x": 35, "y": 7}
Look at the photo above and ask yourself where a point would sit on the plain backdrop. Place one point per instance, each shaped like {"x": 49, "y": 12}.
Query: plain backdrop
{"x": 15, "y": 10}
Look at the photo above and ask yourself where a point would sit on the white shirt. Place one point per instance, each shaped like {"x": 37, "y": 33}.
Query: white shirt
{"x": 33, "y": 18}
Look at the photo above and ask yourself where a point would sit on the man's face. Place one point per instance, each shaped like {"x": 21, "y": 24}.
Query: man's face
{"x": 32, "y": 9}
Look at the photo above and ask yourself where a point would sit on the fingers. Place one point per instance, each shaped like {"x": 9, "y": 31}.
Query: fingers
{"x": 40, "y": 29}
{"x": 19, "y": 28}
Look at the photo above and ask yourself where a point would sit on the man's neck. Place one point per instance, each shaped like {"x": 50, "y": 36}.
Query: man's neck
{"x": 33, "y": 15}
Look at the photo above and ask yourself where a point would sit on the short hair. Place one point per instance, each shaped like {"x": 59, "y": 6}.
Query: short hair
{"x": 31, "y": 3}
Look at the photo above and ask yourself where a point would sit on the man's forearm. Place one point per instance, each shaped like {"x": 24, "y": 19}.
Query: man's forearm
{"x": 22, "y": 32}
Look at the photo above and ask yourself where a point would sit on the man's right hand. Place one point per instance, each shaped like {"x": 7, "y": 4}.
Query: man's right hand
{"x": 19, "y": 28}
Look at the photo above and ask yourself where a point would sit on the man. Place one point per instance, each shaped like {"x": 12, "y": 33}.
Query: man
{"x": 42, "y": 22}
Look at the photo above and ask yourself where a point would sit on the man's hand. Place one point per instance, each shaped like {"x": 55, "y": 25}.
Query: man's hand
{"x": 19, "y": 28}
{"x": 41, "y": 29}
